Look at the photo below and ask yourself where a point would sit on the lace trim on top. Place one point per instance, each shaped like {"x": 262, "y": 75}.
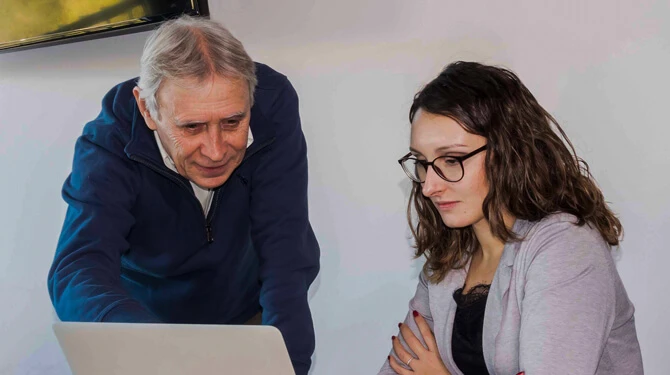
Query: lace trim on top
{"x": 476, "y": 294}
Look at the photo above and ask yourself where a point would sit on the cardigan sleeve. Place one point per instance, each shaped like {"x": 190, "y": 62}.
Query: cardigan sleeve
{"x": 569, "y": 300}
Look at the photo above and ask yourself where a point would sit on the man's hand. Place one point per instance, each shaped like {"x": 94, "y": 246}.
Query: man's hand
{"x": 427, "y": 360}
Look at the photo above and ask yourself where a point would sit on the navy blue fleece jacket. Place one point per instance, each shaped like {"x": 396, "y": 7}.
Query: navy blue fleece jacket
{"x": 136, "y": 246}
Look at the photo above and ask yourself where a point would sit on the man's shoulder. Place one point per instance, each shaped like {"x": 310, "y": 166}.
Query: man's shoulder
{"x": 121, "y": 101}
{"x": 270, "y": 79}
{"x": 112, "y": 127}
{"x": 274, "y": 94}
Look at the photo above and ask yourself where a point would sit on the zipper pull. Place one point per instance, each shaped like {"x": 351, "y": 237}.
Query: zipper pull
{"x": 208, "y": 229}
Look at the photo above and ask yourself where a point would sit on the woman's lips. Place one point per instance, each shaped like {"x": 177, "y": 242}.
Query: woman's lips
{"x": 446, "y": 205}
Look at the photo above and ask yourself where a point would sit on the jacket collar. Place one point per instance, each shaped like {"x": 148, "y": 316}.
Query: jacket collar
{"x": 142, "y": 142}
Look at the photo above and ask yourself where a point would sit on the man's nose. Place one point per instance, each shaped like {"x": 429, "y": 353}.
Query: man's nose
{"x": 213, "y": 146}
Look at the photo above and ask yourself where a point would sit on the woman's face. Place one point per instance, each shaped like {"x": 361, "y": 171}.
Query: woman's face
{"x": 459, "y": 203}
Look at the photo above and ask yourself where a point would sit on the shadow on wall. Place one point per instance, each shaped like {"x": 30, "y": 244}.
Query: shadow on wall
{"x": 104, "y": 56}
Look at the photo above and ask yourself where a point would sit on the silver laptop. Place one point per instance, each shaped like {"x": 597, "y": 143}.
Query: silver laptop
{"x": 172, "y": 349}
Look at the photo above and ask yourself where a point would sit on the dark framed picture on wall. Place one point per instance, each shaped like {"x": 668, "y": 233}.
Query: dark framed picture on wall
{"x": 31, "y": 24}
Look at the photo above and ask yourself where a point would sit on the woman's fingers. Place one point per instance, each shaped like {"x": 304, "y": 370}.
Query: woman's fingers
{"x": 395, "y": 365}
{"x": 400, "y": 351}
{"x": 414, "y": 344}
{"x": 424, "y": 328}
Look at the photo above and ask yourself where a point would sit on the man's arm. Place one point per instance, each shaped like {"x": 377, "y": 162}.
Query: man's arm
{"x": 287, "y": 248}
{"x": 85, "y": 277}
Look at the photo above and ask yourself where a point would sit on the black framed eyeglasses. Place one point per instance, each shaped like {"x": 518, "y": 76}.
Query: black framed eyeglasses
{"x": 449, "y": 168}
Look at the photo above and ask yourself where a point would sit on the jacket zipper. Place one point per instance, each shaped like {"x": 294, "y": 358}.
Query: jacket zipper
{"x": 215, "y": 199}
{"x": 210, "y": 215}
{"x": 208, "y": 227}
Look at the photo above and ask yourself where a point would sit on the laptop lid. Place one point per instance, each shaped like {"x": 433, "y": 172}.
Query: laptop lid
{"x": 172, "y": 349}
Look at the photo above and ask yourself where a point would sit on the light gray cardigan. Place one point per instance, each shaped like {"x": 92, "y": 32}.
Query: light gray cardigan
{"x": 556, "y": 306}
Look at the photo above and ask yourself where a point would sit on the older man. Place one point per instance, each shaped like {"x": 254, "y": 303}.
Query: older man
{"x": 188, "y": 196}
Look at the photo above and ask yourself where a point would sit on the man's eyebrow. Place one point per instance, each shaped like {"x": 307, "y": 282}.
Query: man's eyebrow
{"x": 186, "y": 122}
{"x": 235, "y": 116}
{"x": 181, "y": 123}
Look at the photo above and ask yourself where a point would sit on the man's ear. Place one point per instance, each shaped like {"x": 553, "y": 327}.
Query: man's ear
{"x": 142, "y": 105}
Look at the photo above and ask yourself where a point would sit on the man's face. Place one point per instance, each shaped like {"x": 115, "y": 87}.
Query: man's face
{"x": 203, "y": 126}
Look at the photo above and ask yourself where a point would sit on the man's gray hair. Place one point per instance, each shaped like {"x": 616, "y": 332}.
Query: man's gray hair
{"x": 189, "y": 47}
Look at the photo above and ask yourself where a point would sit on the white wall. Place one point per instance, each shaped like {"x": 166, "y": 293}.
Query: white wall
{"x": 597, "y": 65}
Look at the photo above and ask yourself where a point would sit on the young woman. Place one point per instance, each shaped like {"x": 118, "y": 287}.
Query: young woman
{"x": 517, "y": 239}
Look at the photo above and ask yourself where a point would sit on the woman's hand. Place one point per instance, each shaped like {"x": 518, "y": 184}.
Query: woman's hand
{"x": 427, "y": 360}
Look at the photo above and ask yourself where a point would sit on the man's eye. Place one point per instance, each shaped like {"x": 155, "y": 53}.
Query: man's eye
{"x": 231, "y": 123}
{"x": 192, "y": 126}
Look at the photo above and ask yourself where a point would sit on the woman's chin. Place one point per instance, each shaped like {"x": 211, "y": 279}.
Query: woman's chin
{"x": 455, "y": 222}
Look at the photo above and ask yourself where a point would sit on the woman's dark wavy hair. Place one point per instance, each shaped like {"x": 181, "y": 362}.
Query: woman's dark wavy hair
{"x": 531, "y": 165}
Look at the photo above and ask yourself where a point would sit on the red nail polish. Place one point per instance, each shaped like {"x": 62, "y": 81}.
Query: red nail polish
{"x": 392, "y": 337}
{"x": 399, "y": 325}
{"x": 415, "y": 313}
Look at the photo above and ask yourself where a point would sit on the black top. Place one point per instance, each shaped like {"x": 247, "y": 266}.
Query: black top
{"x": 466, "y": 340}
